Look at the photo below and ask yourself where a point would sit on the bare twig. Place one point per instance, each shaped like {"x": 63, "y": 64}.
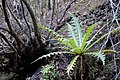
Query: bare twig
{"x": 52, "y": 15}
{"x": 34, "y": 22}
{"x": 9, "y": 25}
{"x": 29, "y": 29}
{"x": 53, "y": 9}
{"x": 115, "y": 12}
{"x": 8, "y": 42}
{"x": 41, "y": 11}
{"x": 67, "y": 7}
{"x": 113, "y": 45}
{"x": 117, "y": 75}
{"x": 14, "y": 17}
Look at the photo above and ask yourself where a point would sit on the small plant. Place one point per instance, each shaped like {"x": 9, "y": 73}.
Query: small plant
{"x": 78, "y": 43}
{"x": 49, "y": 72}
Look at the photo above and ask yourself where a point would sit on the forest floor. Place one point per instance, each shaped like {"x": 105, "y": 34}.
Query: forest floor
{"x": 88, "y": 12}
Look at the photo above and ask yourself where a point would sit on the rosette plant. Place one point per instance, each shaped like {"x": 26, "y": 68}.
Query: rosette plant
{"x": 79, "y": 43}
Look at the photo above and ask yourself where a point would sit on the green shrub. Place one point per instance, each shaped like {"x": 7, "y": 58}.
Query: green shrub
{"x": 49, "y": 72}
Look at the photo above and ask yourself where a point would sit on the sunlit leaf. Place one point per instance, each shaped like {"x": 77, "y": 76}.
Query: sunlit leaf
{"x": 76, "y": 50}
{"x": 86, "y": 36}
{"x": 49, "y": 55}
{"x": 66, "y": 42}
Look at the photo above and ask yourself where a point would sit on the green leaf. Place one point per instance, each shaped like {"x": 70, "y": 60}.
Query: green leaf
{"x": 49, "y": 55}
{"x": 97, "y": 54}
{"x": 66, "y": 42}
{"x": 93, "y": 37}
{"x": 72, "y": 42}
{"x": 72, "y": 64}
{"x": 102, "y": 37}
{"x": 76, "y": 50}
{"x": 57, "y": 36}
{"x": 45, "y": 69}
{"x": 86, "y": 36}
{"x": 109, "y": 51}
{"x": 72, "y": 33}
{"x": 92, "y": 53}
{"x": 77, "y": 29}
{"x": 101, "y": 56}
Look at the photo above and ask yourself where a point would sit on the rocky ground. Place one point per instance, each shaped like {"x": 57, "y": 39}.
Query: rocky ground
{"x": 89, "y": 12}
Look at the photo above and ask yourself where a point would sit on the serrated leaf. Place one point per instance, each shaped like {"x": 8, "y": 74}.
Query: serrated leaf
{"x": 72, "y": 64}
{"x": 72, "y": 42}
{"x": 97, "y": 54}
{"x": 77, "y": 27}
{"x": 70, "y": 28}
{"x": 45, "y": 69}
{"x": 86, "y": 36}
{"x": 48, "y": 55}
{"x": 57, "y": 36}
{"x": 93, "y": 37}
{"x": 66, "y": 42}
{"x": 109, "y": 51}
{"x": 69, "y": 42}
{"x": 101, "y": 56}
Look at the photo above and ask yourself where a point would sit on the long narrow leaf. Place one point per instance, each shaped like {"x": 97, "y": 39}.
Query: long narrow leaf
{"x": 97, "y": 54}
{"x": 100, "y": 54}
{"x": 50, "y": 54}
{"x": 72, "y": 33}
{"x": 86, "y": 36}
{"x": 72, "y": 42}
{"x": 93, "y": 37}
{"x": 102, "y": 37}
{"x": 78, "y": 28}
{"x": 52, "y": 31}
{"x": 66, "y": 42}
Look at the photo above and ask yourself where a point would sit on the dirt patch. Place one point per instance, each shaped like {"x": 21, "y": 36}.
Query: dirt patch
{"x": 89, "y": 12}
{"x": 85, "y": 6}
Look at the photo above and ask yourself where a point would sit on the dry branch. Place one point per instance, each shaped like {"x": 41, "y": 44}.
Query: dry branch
{"x": 34, "y": 22}
{"x": 9, "y": 25}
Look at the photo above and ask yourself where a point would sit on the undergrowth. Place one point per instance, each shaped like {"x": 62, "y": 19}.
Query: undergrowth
{"x": 78, "y": 44}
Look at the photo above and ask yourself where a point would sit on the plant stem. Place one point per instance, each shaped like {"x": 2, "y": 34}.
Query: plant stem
{"x": 81, "y": 68}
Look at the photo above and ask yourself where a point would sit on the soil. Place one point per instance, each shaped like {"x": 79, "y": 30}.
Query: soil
{"x": 88, "y": 12}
